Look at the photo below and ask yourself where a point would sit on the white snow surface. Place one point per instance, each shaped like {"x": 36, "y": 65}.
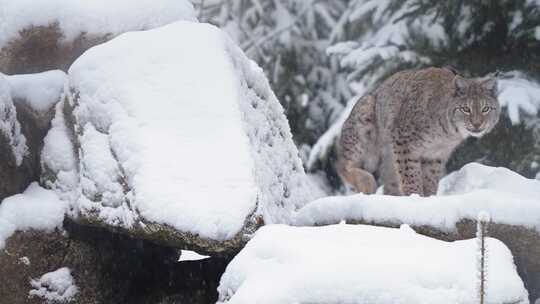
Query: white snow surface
{"x": 364, "y": 264}
{"x": 40, "y": 91}
{"x": 35, "y": 208}
{"x": 56, "y": 286}
{"x": 188, "y": 255}
{"x": 185, "y": 132}
{"x": 96, "y": 17}
{"x": 506, "y": 196}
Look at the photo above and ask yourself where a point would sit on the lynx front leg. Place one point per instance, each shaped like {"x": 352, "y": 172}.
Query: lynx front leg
{"x": 432, "y": 170}
{"x": 389, "y": 172}
{"x": 409, "y": 170}
{"x": 360, "y": 180}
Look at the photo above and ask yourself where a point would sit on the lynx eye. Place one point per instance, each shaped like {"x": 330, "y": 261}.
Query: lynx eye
{"x": 486, "y": 109}
{"x": 465, "y": 109}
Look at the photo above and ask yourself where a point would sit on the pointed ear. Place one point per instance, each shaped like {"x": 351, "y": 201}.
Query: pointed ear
{"x": 460, "y": 84}
{"x": 490, "y": 85}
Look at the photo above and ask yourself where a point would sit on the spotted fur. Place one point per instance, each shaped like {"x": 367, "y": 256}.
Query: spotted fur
{"x": 406, "y": 129}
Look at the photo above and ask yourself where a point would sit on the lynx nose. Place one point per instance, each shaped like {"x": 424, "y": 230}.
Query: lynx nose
{"x": 476, "y": 125}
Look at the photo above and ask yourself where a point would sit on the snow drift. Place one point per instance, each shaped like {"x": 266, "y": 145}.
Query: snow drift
{"x": 178, "y": 138}
{"x": 364, "y": 264}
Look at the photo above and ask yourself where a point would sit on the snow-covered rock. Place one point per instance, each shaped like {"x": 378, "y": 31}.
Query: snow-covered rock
{"x": 55, "y": 286}
{"x": 364, "y": 264}
{"x": 38, "y": 35}
{"x": 36, "y": 208}
{"x": 512, "y": 201}
{"x": 58, "y": 157}
{"x": 38, "y": 92}
{"x": 182, "y": 141}
{"x": 26, "y": 110}
{"x": 508, "y": 197}
{"x": 12, "y": 139}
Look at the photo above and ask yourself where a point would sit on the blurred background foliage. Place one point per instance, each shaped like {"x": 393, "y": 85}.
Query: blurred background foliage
{"x": 320, "y": 56}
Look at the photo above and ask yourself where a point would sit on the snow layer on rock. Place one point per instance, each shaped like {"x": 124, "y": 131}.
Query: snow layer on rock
{"x": 185, "y": 132}
{"x": 364, "y": 264}
{"x": 10, "y": 129}
{"x": 475, "y": 176}
{"x": 96, "y": 17}
{"x": 36, "y": 208}
{"x": 58, "y": 158}
{"x": 506, "y": 196}
{"x": 40, "y": 91}
{"x": 56, "y": 286}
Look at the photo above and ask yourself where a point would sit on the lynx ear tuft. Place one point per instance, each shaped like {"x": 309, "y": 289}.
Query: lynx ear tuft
{"x": 490, "y": 85}
{"x": 460, "y": 84}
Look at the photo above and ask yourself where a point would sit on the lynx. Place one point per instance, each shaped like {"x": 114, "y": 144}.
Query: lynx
{"x": 406, "y": 129}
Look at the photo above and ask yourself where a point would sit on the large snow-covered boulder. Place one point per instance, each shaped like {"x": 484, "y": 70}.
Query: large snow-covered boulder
{"x": 178, "y": 138}
{"x": 365, "y": 264}
{"x": 39, "y": 35}
{"x": 26, "y": 109}
{"x": 511, "y": 200}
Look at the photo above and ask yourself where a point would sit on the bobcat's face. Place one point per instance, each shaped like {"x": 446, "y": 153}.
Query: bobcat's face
{"x": 476, "y": 109}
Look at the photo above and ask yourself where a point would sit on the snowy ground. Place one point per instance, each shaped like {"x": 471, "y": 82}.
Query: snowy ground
{"x": 364, "y": 264}
{"x": 506, "y": 196}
